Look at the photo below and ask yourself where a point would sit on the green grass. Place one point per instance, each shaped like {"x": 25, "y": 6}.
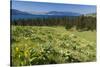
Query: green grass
{"x": 88, "y": 35}
{"x": 32, "y": 45}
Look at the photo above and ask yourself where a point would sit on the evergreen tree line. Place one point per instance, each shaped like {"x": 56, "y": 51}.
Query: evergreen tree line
{"x": 80, "y": 22}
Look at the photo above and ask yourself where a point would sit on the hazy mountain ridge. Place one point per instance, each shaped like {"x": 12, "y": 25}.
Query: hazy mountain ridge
{"x": 37, "y": 12}
{"x": 63, "y": 13}
{"x": 18, "y": 12}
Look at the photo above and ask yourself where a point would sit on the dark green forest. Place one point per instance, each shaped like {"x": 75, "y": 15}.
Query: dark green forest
{"x": 83, "y": 23}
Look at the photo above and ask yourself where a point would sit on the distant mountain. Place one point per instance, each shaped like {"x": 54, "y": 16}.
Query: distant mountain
{"x": 63, "y": 13}
{"x": 53, "y": 13}
{"x": 17, "y": 12}
{"x": 37, "y": 12}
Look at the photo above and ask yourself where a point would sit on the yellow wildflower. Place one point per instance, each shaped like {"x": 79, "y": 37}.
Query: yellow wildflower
{"x": 26, "y": 53}
{"x": 17, "y": 49}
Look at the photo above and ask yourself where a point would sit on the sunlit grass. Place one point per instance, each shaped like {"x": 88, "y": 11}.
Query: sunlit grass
{"x": 32, "y": 45}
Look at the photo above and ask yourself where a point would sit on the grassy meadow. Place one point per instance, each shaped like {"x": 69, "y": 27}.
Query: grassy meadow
{"x": 32, "y": 45}
{"x": 46, "y": 34}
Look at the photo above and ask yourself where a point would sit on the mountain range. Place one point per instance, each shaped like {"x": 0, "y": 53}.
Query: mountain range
{"x": 18, "y": 12}
{"x": 63, "y": 13}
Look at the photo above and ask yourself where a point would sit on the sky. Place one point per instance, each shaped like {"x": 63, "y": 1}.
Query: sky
{"x": 46, "y": 7}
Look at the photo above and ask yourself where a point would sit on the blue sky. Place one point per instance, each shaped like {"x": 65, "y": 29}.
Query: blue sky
{"x": 45, "y": 7}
